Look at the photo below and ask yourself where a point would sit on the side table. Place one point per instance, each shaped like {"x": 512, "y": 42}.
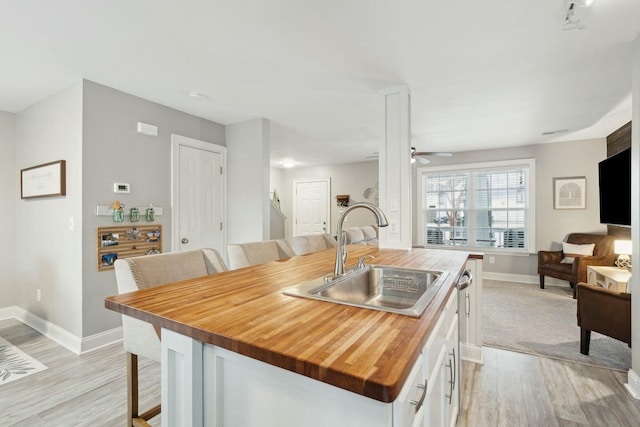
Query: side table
{"x": 608, "y": 277}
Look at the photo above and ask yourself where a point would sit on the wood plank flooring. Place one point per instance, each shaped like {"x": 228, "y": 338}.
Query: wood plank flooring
{"x": 87, "y": 390}
{"x": 516, "y": 389}
{"x": 510, "y": 389}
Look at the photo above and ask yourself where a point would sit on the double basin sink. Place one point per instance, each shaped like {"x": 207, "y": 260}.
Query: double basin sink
{"x": 392, "y": 289}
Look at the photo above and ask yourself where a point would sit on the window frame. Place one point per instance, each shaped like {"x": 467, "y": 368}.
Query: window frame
{"x": 529, "y": 163}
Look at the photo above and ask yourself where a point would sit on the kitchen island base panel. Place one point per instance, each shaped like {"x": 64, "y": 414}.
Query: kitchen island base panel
{"x": 181, "y": 378}
{"x": 205, "y": 385}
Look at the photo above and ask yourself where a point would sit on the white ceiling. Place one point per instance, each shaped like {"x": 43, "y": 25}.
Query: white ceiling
{"x": 482, "y": 74}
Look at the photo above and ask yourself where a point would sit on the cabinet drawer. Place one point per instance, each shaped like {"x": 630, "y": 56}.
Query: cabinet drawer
{"x": 409, "y": 404}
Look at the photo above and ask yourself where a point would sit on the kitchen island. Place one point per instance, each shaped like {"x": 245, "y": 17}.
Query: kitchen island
{"x": 235, "y": 349}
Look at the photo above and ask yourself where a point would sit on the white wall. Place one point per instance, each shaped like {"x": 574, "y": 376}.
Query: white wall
{"x": 248, "y": 181}
{"x": 348, "y": 178}
{"x": 9, "y": 193}
{"x": 48, "y": 254}
{"x": 276, "y": 181}
{"x": 634, "y": 375}
{"x": 113, "y": 151}
{"x": 564, "y": 159}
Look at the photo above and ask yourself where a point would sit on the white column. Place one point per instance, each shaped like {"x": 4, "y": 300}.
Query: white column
{"x": 181, "y": 380}
{"x": 395, "y": 168}
{"x": 633, "y": 381}
{"x": 248, "y": 151}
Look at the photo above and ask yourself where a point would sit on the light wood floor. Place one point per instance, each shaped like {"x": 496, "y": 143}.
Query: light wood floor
{"x": 510, "y": 389}
{"x": 87, "y": 390}
{"x": 515, "y": 389}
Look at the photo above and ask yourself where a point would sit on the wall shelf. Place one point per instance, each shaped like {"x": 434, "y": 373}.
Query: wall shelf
{"x": 102, "y": 210}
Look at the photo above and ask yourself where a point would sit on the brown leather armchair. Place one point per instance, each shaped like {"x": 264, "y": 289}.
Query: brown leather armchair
{"x": 549, "y": 262}
{"x": 605, "y": 311}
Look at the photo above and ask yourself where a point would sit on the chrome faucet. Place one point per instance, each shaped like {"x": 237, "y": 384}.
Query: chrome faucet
{"x": 341, "y": 248}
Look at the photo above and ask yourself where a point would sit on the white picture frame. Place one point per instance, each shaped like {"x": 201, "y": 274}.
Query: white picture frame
{"x": 45, "y": 180}
{"x": 570, "y": 192}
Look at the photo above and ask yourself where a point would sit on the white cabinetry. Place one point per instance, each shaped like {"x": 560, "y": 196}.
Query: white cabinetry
{"x": 441, "y": 363}
{"x": 452, "y": 375}
{"x": 205, "y": 385}
{"x": 470, "y": 312}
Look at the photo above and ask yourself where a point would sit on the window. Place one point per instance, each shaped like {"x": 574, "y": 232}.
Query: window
{"x": 483, "y": 205}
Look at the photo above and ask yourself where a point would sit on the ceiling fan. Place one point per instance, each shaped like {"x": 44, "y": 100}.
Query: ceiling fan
{"x": 421, "y": 156}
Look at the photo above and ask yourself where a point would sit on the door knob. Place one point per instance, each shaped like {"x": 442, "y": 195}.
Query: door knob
{"x": 185, "y": 240}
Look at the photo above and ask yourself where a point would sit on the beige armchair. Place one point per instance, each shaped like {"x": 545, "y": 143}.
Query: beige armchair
{"x": 246, "y": 254}
{"x": 312, "y": 243}
{"x": 140, "y": 338}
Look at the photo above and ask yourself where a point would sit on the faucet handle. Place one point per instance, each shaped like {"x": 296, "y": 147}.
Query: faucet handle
{"x": 363, "y": 259}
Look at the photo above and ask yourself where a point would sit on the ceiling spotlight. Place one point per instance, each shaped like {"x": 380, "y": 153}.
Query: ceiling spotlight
{"x": 198, "y": 95}
{"x": 288, "y": 163}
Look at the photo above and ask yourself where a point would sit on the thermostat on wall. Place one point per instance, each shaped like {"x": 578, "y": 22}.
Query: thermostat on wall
{"x": 119, "y": 187}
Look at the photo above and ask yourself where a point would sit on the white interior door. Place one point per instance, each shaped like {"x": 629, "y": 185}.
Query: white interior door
{"x": 311, "y": 208}
{"x": 199, "y": 197}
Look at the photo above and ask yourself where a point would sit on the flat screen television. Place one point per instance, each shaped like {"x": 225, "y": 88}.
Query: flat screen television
{"x": 615, "y": 189}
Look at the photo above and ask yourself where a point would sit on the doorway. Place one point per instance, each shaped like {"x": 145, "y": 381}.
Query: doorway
{"x": 198, "y": 197}
{"x": 311, "y": 210}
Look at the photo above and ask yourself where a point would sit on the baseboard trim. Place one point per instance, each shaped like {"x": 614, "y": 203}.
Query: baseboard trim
{"x": 60, "y": 335}
{"x": 7, "y": 312}
{"x": 102, "y": 339}
{"x": 472, "y": 353}
{"x": 524, "y": 278}
{"x": 633, "y": 384}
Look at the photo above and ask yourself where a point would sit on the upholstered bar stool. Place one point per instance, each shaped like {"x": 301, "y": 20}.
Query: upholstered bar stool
{"x": 253, "y": 253}
{"x": 312, "y": 243}
{"x": 139, "y": 337}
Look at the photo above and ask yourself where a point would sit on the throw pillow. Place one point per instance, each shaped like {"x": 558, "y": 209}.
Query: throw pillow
{"x": 572, "y": 251}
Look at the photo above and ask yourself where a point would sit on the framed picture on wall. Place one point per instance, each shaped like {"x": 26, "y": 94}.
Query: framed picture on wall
{"x": 46, "y": 180}
{"x": 569, "y": 192}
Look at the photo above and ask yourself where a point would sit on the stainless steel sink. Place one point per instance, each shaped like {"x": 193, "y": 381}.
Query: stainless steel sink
{"x": 396, "y": 290}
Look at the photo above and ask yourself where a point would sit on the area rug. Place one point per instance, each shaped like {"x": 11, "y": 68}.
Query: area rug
{"x": 524, "y": 318}
{"x": 15, "y": 363}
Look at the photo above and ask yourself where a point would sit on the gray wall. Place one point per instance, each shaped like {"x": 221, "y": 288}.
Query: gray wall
{"x": 9, "y": 192}
{"x": 248, "y": 181}
{"x": 564, "y": 159}
{"x": 113, "y": 151}
{"x": 348, "y": 178}
{"x": 48, "y": 253}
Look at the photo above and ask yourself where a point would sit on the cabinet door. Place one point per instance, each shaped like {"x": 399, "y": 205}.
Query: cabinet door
{"x": 451, "y": 372}
{"x": 467, "y": 309}
{"x": 470, "y": 315}
{"x": 408, "y": 408}
{"x": 434, "y": 401}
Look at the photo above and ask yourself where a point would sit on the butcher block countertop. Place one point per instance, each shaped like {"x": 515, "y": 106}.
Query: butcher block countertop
{"x": 365, "y": 351}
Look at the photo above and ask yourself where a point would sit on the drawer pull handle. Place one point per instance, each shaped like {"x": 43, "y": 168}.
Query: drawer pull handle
{"x": 450, "y": 395}
{"x": 454, "y": 367}
{"x": 419, "y": 403}
{"x": 467, "y": 306}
